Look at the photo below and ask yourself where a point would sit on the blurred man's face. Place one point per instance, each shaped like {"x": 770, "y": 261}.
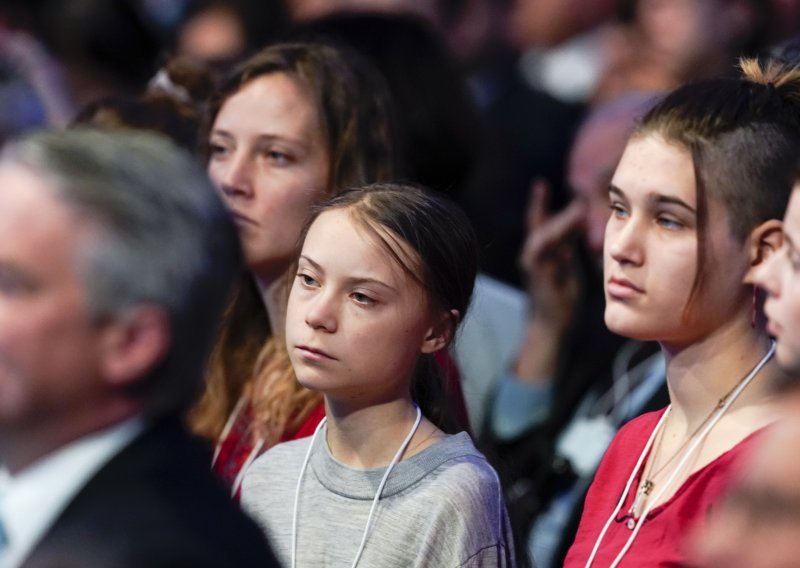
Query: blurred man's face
{"x": 758, "y": 526}
{"x": 49, "y": 364}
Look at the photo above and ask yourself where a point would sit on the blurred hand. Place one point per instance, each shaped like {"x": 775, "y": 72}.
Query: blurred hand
{"x": 549, "y": 262}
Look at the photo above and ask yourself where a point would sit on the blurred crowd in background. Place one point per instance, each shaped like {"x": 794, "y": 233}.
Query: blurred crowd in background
{"x": 490, "y": 91}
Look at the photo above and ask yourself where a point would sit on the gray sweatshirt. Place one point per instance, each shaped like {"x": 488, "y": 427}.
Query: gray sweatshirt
{"x": 440, "y": 507}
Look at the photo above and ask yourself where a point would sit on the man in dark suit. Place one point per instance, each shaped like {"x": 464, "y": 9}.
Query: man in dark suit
{"x": 116, "y": 261}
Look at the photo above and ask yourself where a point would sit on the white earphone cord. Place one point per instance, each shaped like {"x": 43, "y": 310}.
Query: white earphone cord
{"x": 375, "y": 500}
{"x": 688, "y": 454}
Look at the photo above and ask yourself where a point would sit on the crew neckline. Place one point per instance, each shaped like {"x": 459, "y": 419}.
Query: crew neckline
{"x": 355, "y": 483}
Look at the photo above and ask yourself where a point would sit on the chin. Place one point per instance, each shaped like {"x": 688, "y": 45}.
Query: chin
{"x": 788, "y": 359}
{"x": 632, "y": 327}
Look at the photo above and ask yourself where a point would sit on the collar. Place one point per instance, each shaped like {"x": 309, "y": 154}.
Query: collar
{"x": 32, "y": 500}
{"x": 356, "y": 483}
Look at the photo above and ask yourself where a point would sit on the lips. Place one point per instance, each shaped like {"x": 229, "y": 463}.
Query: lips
{"x": 241, "y": 219}
{"x": 622, "y": 288}
{"x": 773, "y": 328}
{"x": 314, "y": 353}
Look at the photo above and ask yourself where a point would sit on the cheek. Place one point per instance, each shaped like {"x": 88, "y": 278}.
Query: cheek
{"x": 215, "y": 174}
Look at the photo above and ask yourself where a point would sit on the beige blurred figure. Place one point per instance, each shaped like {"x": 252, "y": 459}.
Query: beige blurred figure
{"x": 758, "y": 526}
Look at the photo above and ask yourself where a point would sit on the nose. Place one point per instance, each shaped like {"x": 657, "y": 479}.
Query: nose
{"x": 624, "y": 240}
{"x": 767, "y": 277}
{"x": 322, "y": 313}
{"x": 235, "y": 176}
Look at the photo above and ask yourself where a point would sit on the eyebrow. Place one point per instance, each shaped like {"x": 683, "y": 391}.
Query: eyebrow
{"x": 353, "y": 280}
{"x": 657, "y": 198}
{"x": 260, "y": 138}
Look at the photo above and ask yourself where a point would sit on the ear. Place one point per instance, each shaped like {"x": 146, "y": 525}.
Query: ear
{"x": 134, "y": 343}
{"x": 764, "y": 240}
{"x": 441, "y": 332}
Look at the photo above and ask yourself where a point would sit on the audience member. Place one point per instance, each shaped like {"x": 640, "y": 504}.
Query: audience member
{"x": 563, "y": 42}
{"x": 670, "y": 42}
{"x": 757, "y": 524}
{"x": 384, "y": 277}
{"x": 223, "y": 32}
{"x": 116, "y": 260}
{"x": 296, "y": 123}
{"x": 696, "y": 205}
{"x": 570, "y": 383}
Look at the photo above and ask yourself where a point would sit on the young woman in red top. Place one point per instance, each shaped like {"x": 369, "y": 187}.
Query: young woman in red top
{"x": 696, "y": 205}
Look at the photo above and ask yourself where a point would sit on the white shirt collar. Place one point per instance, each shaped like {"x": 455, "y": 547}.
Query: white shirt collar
{"x": 31, "y": 500}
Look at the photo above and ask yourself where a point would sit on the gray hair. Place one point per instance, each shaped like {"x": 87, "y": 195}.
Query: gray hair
{"x": 163, "y": 238}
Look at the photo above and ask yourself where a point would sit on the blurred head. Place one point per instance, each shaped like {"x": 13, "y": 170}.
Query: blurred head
{"x": 437, "y": 126}
{"x": 594, "y": 156}
{"x": 757, "y": 524}
{"x": 780, "y": 278}
{"x": 402, "y": 282}
{"x": 293, "y": 125}
{"x": 222, "y": 32}
{"x": 121, "y": 261}
{"x": 702, "y": 37}
{"x": 546, "y": 23}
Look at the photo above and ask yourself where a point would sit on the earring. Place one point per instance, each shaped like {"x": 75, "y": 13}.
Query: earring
{"x": 753, "y": 313}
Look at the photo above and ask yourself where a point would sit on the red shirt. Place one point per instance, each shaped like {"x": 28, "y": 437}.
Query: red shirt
{"x": 659, "y": 542}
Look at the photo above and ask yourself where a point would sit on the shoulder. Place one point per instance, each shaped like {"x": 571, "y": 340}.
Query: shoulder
{"x": 157, "y": 498}
{"x": 280, "y": 457}
{"x": 458, "y": 510}
{"x": 272, "y": 477}
{"x": 463, "y": 485}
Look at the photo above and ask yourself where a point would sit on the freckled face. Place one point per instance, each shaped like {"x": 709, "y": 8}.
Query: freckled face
{"x": 780, "y": 277}
{"x": 650, "y": 252}
{"x": 356, "y": 323}
{"x": 270, "y": 161}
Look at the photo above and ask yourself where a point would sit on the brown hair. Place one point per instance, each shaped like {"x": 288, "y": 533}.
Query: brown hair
{"x": 173, "y": 104}
{"x": 743, "y": 135}
{"x": 444, "y": 263}
{"x": 355, "y": 112}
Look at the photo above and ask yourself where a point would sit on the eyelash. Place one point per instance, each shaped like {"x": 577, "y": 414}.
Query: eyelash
{"x": 216, "y": 149}
{"x": 306, "y": 280}
{"x": 280, "y": 158}
{"x": 619, "y": 211}
{"x": 670, "y": 224}
{"x": 362, "y": 298}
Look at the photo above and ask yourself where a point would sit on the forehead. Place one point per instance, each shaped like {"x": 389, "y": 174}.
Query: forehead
{"x": 650, "y": 164}
{"x": 371, "y": 247}
{"x": 28, "y": 202}
{"x": 39, "y": 233}
{"x": 277, "y": 97}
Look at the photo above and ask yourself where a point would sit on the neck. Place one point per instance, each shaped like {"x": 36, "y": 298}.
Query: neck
{"x": 274, "y": 295}
{"x": 369, "y": 437}
{"x": 700, "y": 374}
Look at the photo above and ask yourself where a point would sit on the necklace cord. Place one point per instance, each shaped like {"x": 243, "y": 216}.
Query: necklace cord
{"x": 394, "y": 462}
{"x": 729, "y": 400}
